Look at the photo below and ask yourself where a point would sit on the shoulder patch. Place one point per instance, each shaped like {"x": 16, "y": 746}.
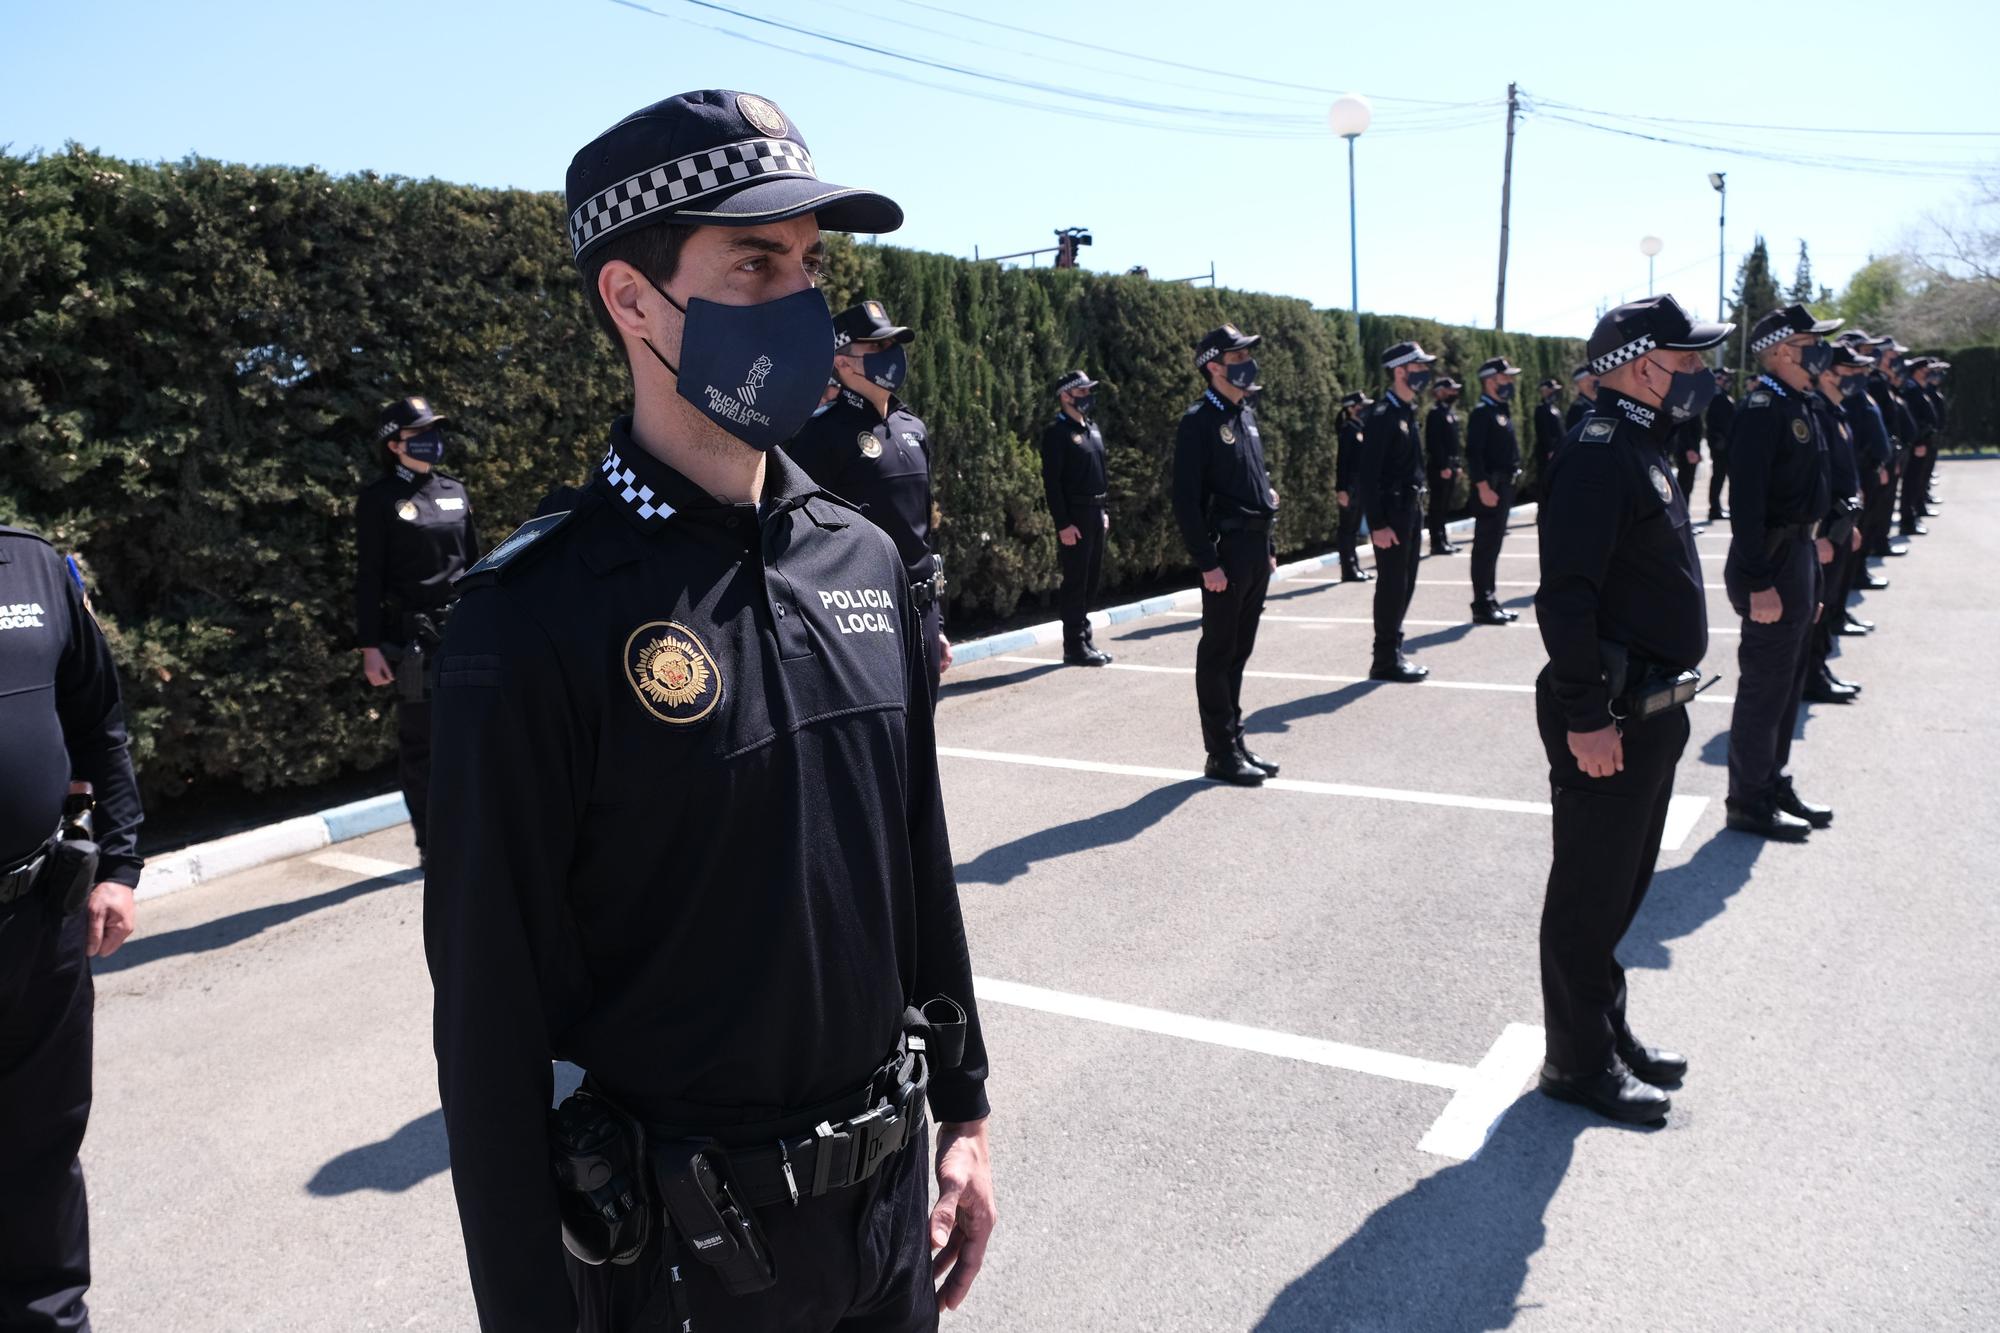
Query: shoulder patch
{"x": 1380, "y": 409}
{"x": 529, "y": 534}
{"x": 1761, "y": 398}
{"x": 1599, "y": 428}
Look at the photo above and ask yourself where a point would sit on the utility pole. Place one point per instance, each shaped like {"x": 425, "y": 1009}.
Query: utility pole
{"x": 1506, "y": 205}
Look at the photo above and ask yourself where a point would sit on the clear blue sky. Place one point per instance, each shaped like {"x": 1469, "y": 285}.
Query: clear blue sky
{"x": 502, "y": 92}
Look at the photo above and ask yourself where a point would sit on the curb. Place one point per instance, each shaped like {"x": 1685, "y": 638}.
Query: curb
{"x": 1037, "y": 636}
{"x": 208, "y": 861}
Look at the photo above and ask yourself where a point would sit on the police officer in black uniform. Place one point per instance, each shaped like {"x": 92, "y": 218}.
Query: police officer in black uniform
{"x": 1392, "y": 495}
{"x": 66, "y": 878}
{"x": 872, "y": 451}
{"x": 1346, "y": 474}
{"x": 1933, "y": 381}
{"x": 1548, "y": 427}
{"x": 1625, "y": 621}
{"x": 1882, "y": 388}
{"x": 1781, "y": 488}
{"x": 1717, "y": 420}
{"x": 1875, "y": 457}
{"x": 1839, "y": 538}
{"x": 1073, "y": 478}
{"x": 690, "y": 835}
{"x": 1585, "y": 403}
{"x": 1686, "y": 447}
{"x": 414, "y": 535}
{"x": 1493, "y": 462}
{"x": 1224, "y": 505}
{"x": 1441, "y": 449}
{"x": 1923, "y": 445}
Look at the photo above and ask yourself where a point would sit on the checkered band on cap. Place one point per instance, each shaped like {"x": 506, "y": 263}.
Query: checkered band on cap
{"x": 632, "y": 491}
{"x": 1774, "y": 337}
{"x": 672, "y": 184}
{"x": 1618, "y": 356}
{"x": 1415, "y": 354}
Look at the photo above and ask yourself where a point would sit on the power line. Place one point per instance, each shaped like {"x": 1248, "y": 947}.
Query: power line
{"x": 1841, "y": 130}
{"x": 1826, "y": 162}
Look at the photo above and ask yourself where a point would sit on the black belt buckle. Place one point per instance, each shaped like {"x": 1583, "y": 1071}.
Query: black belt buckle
{"x": 871, "y": 1138}
{"x": 721, "y": 1232}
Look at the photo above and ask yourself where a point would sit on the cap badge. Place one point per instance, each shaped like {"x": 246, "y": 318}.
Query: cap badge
{"x": 874, "y": 309}
{"x": 871, "y": 446}
{"x": 1662, "y": 485}
{"x": 672, "y": 674}
{"x": 761, "y": 114}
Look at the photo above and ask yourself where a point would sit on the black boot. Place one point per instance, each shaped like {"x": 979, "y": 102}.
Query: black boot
{"x": 1354, "y": 574}
{"x": 1872, "y": 582}
{"x": 1821, "y": 689}
{"x": 1661, "y": 1068}
{"x": 1255, "y": 760}
{"x": 1441, "y": 545}
{"x": 1789, "y": 801}
{"x": 1234, "y": 769}
{"x": 1615, "y": 1093}
{"x": 1486, "y": 611}
{"x": 1767, "y": 821}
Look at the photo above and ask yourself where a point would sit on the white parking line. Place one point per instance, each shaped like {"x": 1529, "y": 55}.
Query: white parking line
{"x": 1683, "y": 811}
{"x": 1516, "y": 583}
{"x": 1408, "y": 620}
{"x": 371, "y": 866}
{"x": 1480, "y": 1095}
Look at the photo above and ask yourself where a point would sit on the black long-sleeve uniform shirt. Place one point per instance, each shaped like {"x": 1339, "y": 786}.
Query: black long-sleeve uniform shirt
{"x": 1872, "y": 447}
{"x": 1843, "y": 474}
{"x": 60, "y": 714}
{"x": 1219, "y": 475}
{"x": 1392, "y": 460}
{"x": 1923, "y": 417}
{"x": 1492, "y": 450}
{"x": 414, "y": 534}
{"x": 1548, "y": 432}
{"x": 1895, "y": 413}
{"x": 1441, "y": 445}
{"x": 1618, "y": 558}
{"x": 1721, "y": 412}
{"x": 1347, "y": 458}
{"x": 1777, "y": 476}
{"x": 687, "y": 833}
{"x": 879, "y": 464}
{"x": 1578, "y": 410}
{"x": 1072, "y": 466}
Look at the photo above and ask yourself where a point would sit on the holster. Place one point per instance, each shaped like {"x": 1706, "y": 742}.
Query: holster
{"x": 1640, "y": 689}
{"x": 598, "y": 1155}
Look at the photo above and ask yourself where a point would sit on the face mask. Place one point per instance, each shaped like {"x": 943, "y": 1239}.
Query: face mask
{"x": 757, "y": 371}
{"x": 1243, "y": 374}
{"x": 1084, "y": 404}
{"x": 1688, "y": 394}
{"x": 1419, "y": 380}
{"x": 1852, "y": 385}
{"x": 426, "y": 446}
{"x": 885, "y": 369}
{"x": 1503, "y": 392}
{"x": 1816, "y": 358}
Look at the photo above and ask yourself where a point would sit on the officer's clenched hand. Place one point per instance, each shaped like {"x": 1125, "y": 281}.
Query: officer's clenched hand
{"x": 1766, "y": 607}
{"x": 1107, "y": 521}
{"x": 1825, "y": 549}
{"x": 963, "y": 1220}
{"x": 1214, "y": 580}
{"x": 1070, "y": 535}
{"x": 944, "y": 654}
{"x": 112, "y": 918}
{"x": 1444, "y": 474}
{"x": 1920, "y": 451}
{"x": 1382, "y": 537}
{"x": 1854, "y": 540}
{"x": 1274, "y": 564}
{"x": 376, "y": 667}
{"x": 1341, "y": 496}
{"x": 1598, "y": 753}
{"x": 1487, "y": 495}
{"x": 1694, "y": 456}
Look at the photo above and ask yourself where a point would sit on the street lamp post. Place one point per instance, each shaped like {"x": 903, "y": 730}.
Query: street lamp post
{"x": 1349, "y": 118}
{"x": 1716, "y": 182}
{"x": 1650, "y": 246}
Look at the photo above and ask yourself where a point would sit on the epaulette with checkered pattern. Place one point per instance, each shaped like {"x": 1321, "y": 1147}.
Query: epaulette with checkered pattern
{"x": 532, "y": 536}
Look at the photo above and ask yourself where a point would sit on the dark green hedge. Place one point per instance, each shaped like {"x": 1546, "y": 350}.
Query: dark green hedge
{"x": 191, "y": 356}
{"x": 1973, "y": 386}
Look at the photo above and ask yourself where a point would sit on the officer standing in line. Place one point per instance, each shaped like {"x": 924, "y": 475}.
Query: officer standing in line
{"x": 67, "y": 872}
{"x": 1585, "y": 385}
{"x": 1875, "y": 455}
{"x": 872, "y": 451}
{"x": 1625, "y": 621}
{"x": 1224, "y": 505}
{"x": 1493, "y": 462}
{"x": 1346, "y": 472}
{"x": 1392, "y": 496}
{"x": 690, "y": 834}
{"x": 1721, "y": 413}
{"x": 1933, "y": 379}
{"x": 1442, "y": 450}
{"x": 1876, "y": 539}
{"x": 1781, "y": 490}
{"x": 414, "y": 536}
{"x": 1548, "y": 428}
{"x": 1073, "y": 477}
{"x": 1687, "y": 453}
{"x": 1839, "y": 538}
{"x": 1923, "y": 451}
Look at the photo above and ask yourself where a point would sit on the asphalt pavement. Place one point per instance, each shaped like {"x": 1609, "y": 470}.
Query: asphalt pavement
{"x": 1258, "y": 1056}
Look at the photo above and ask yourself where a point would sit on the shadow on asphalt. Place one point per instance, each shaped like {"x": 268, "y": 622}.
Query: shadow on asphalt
{"x": 229, "y": 930}
{"x": 1439, "y": 637}
{"x": 951, "y": 689}
{"x": 1155, "y": 631}
{"x": 1453, "y": 1252}
{"x": 1279, "y": 717}
{"x": 410, "y": 1156}
{"x": 1010, "y": 860}
{"x": 1686, "y": 898}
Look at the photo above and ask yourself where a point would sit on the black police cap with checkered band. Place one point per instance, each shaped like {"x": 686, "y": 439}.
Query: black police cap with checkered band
{"x": 407, "y": 414}
{"x": 713, "y": 158}
{"x": 1219, "y": 342}
{"x": 1075, "y": 379}
{"x": 1499, "y": 365}
{"x": 1405, "y": 354}
{"x": 1655, "y": 324}
{"x": 1789, "y": 322}
{"x": 867, "y": 321}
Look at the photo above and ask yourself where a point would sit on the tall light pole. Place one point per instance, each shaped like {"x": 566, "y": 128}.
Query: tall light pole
{"x": 1715, "y": 180}
{"x": 1349, "y": 117}
{"x": 1650, "y": 246}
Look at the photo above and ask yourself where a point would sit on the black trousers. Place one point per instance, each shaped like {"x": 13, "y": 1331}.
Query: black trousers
{"x": 1684, "y": 472}
{"x": 1917, "y": 482}
{"x": 413, "y": 762}
{"x": 1395, "y": 582}
{"x": 1878, "y": 506}
{"x": 1082, "y": 567}
{"x": 854, "y": 1261}
{"x": 1607, "y": 837}
{"x": 1489, "y": 529}
{"x": 933, "y": 655}
{"x": 1228, "y": 634}
{"x": 1350, "y": 533}
{"x": 1771, "y": 664}
{"x": 1443, "y": 491}
{"x": 1836, "y": 579}
{"x": 46, "y": 997}
{"x": 1718, "y": 474}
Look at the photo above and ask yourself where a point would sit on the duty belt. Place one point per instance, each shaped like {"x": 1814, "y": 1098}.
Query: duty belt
{"x": 1775, "y": 537}
{"x": 19, "y": 881}
{"x": 1087, "y": 501}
